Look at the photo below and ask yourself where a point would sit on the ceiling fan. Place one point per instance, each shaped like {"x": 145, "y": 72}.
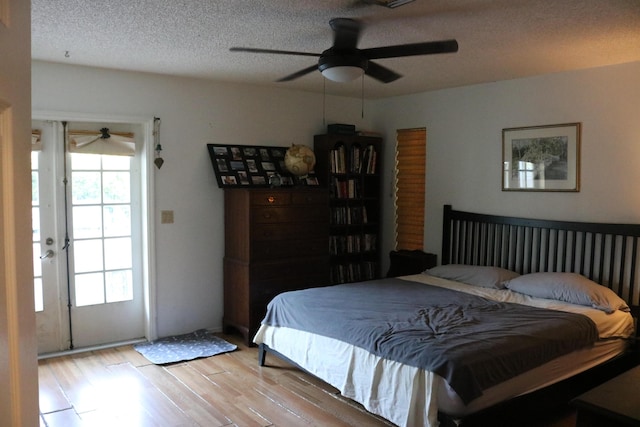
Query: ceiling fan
{"x": 343, "y": 61}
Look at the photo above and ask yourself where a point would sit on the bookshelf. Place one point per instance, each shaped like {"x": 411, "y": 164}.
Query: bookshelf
{"x": 349, "y": 167}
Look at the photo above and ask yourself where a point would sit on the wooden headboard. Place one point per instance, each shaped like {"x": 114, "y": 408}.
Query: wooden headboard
{"x": 605, "y": 253}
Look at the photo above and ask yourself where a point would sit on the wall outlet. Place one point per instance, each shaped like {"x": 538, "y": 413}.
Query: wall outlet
{"x": 166, "y": 217}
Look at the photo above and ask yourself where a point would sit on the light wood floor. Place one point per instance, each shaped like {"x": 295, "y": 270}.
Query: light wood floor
{"x": 119, "y": 387}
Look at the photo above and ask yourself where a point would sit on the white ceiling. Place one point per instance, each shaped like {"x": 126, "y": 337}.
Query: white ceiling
{"x": 498, "y": 39}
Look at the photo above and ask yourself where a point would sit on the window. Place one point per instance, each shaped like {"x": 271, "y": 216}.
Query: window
{"x": 35, "y": 220}
{"x": 101, "y": 203}
{"x": 411, "y": 147}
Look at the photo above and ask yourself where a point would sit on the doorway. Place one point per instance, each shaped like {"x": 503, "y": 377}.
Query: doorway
{"x": 88, "y": 210}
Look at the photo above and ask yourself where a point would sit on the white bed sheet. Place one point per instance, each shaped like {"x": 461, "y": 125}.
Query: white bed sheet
{"x": 409, "y": 396}
{"x": 400, "y": 393}
{"x": 618, "y": 324}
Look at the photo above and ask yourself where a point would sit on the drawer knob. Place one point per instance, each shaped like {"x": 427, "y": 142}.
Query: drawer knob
{"x": 271, "y": 199}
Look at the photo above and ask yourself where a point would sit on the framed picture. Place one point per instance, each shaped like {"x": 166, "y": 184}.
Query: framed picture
{"x": 541, "y": 158}
{"x": 251, "y": 166}
{"x": 312, "y": 180}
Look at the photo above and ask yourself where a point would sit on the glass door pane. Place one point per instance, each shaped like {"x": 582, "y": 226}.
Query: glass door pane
{"x": 35, "y": 221}
{"x": 101, "y": 203}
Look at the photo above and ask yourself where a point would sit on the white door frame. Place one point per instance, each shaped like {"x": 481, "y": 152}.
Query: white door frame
{"x": 18, "y": 362}
{"x": 146, "y": 197}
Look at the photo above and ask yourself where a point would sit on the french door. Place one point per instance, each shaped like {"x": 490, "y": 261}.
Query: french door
{"x": 86, "y": 241}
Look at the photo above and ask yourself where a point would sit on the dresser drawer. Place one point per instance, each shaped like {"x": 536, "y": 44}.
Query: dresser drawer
{"x": 265, "y": 250}
{"x": 288, "y": 271}
{"x": 310, "y": 198}
{"x": 266, "y": 291}
{"x": 289, "y": 231}
{"x": 272, "y": 214}
{"x": 262, "y": 295}
{"x": 270, "y": 198}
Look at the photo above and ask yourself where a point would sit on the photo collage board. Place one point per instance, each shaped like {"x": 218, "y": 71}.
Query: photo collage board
{"x": 250, "y": 166}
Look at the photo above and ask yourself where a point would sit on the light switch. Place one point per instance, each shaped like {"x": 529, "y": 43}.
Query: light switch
{"x": 166, "y": 217}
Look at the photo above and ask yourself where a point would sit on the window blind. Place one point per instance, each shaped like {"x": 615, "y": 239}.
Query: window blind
{"x": 411, "y": 148}
{"x": 92, "y": 142}
{"x": 36, "y": 140}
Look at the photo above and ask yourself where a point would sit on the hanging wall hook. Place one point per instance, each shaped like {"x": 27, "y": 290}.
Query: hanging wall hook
{"x": 159, "y": 161}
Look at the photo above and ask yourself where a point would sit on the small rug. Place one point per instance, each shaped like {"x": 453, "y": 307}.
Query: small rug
{"x": 200, "y": 343}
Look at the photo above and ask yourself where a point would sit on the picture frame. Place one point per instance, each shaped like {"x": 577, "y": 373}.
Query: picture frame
{"x": 541, "y": 158}
{"x": 237, "y": 166}
{"x": 312, "y": 180}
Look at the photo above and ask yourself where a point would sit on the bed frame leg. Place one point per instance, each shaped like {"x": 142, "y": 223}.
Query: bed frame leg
{"x": 262, "y": 353}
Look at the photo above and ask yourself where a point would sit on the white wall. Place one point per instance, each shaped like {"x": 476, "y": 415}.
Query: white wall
{"x": 464, "y": 145}
{"x": 193, "y": 113}
{"x": 464, "y": 151}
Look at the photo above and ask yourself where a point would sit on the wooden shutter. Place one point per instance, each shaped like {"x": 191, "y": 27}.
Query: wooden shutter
{"x": 411, "y": 151}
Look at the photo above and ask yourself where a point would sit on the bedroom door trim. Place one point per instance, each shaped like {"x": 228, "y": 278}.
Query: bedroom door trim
{"x": 147, "y": 198}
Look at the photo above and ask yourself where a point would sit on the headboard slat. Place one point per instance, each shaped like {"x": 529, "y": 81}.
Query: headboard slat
{"x": 632, "y": 275}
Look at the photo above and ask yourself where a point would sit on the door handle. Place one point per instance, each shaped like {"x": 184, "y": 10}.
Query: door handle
{"x": 48, "y": 254}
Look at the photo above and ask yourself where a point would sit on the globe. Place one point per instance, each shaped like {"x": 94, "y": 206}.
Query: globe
{"x": 299, "y": 160}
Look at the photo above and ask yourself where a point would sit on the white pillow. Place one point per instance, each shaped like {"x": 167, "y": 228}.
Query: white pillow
{"x": 568, "y": 287}
{"x": 476, "y": 275}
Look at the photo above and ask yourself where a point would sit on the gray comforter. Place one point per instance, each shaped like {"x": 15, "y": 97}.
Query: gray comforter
{"x": 472, "y": 342}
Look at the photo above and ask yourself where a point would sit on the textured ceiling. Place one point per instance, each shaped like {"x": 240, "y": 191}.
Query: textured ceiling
{"x": 498, "y": 39}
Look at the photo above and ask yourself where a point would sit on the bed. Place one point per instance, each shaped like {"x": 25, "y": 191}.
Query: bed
{"x": 518, "y": 308}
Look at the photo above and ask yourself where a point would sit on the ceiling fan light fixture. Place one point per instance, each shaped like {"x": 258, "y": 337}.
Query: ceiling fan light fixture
{"x": 342, "y": 66}
{"x": 342, "y": 73}
{"x": 392, "y": 3}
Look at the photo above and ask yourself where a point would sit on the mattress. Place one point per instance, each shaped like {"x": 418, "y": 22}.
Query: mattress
{"x": 407, "y": 395}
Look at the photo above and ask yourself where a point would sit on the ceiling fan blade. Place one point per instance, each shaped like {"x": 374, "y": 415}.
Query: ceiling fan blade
{"x": 413, "y": 49}
{"x": 381, "y": 73}
{"x": 299, "y": 73}
{"x": 346, "y": 33}
{"x": 278, "y": 52}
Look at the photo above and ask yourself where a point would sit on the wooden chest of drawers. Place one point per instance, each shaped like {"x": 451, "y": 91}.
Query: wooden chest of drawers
{"x": 275, "y": 240}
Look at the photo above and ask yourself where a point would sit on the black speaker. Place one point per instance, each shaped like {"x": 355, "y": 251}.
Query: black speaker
{"x": 405, "y": 262}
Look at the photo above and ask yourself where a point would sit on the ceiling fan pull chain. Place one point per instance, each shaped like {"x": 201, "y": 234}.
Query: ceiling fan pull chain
{"x": 324, "y": 102}
{"x": 362, "y": 97}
